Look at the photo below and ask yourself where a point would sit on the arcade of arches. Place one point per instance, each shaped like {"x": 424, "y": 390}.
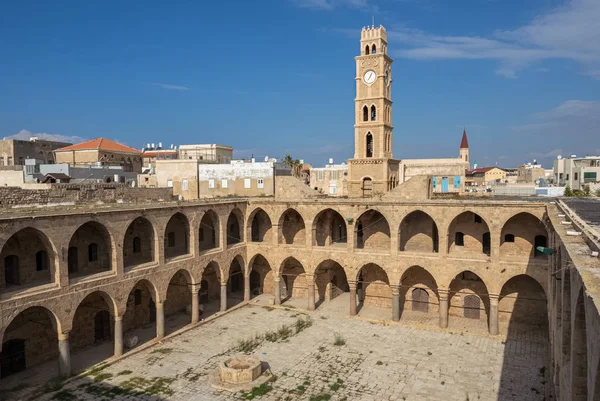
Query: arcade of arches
{"x": 181, "y": 266}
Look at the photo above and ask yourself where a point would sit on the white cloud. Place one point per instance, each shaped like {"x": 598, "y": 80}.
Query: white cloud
{"x": 570, "y": 32}
{"x": 25, "y": 135}
{"x": 173, "y": 87}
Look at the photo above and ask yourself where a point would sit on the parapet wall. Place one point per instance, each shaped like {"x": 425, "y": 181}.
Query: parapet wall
{"x": 11, "y": 197}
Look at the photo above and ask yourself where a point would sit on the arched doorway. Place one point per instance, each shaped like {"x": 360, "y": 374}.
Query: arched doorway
{"x": 260, "y": 226}
{"x": 261, "y": 277}
{"x": 418, "y": 292}
{"x": 373, "y": 287}
{"x": 293, "y": 280}
{"x": 210, "y": 290}
{"x": 235, "y": 284}
{"x": 178, "y": 305}
{"x": 330, "y": 229}
{"x": 330, "y": 280}
{"x": 293, "y": 230}
{"x": 139, "y": 319}
{"x": 522, "y": 306}
{"x": 138, "y": 244}
{"x": 177, "y": 238}
{"x": 468, "y": 299}
{"x": 234, "y": 223}
{"x": 372, "y": 231}
{"x": 90, "y": 250}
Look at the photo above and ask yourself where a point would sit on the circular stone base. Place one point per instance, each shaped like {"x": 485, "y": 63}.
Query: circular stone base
{"x": 215, "y": 381}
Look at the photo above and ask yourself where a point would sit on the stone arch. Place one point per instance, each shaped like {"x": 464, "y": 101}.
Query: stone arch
{"x": 365, "y": 113}
{"x": 473, "y": 230}
{"x": 140, "y": 309}
{"x": 373, "y": 49}
{"x": 210, "y": 288}
{"x": 418, "y": 291}
{"x": 369, "y": 147}
{"x": 178, "y": 299}
{"x": 90, "y": 250}
{"x": 177, "y": 236}
{"x": 208, "y": 232}
{"x": 367, "y": 50}
{"x": 468, "y": 296}
{"x": 579, "y": 371}
{"x": 259, "y": 226}
{"x": 235, "y": 227}
{"x": 260, "y": 275}
{"x": 373, "y": 286}
{"x": 367, "y": 187}
{"x": 292, "y": 228}
{"x": 418, "y": 233}
{"x": 93, "y": 321}
{"x": 373, "y": 113}
{"x": 372, "y": 231}
{"x": 30, "y": 339}
{"x": 235, "y": 280}
{"x": 523, "y": 300}
{"x": 28, "y": 259}
{"x": 518, "y": 235}
{"x": 293, "y": 279}
{"x": 331, "y": 280}
{"x": 139, "y": 242}
{"x": 329, "y": 228}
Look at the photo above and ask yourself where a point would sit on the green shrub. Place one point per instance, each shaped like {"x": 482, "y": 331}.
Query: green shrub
{"x": 568, "y": 191}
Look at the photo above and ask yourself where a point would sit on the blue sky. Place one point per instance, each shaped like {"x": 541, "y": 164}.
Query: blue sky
{"x": 271, "y": 77}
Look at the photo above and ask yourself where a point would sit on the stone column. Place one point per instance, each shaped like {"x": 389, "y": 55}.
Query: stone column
{"x": 195, "y": 305}
{"x": 352, "y": 285}
{"x": 64, "y": 355}
{"x": 395, "y": 303}
{"x": 277, "y": 290}
{"x": 494, "y": 329}
{"x": 223, "y": 297}
{"x": 443, "y": 308}
{"x": 118, "y": 336}
{"x": 247, "y": 287}
{"x": 160, "y": 320}
{"x": 310, "y": 281}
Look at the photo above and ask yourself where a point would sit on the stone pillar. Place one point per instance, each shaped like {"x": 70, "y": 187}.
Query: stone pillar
{"x": 195, "y": 305}
{"x": 352, "y": 286}
{"x": 310, "y": 281}
{"x": 443, "y": 308}
{"x": 395, "y": 303}
{"x": 64, "y": 355}
{"x": 247, "y": 287}
{"x": 118, "y": 336}
{"x": 223, "y": 297}
{"x": 275, "y": 239}
{"x": 277, "y": 290}
{"x": 160, "y": 320}
{"x": 494, "y": 329}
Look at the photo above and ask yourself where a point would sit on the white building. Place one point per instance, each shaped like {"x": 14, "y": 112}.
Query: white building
{"x": 331, "y": 179}
{"x": 577, "y": 172}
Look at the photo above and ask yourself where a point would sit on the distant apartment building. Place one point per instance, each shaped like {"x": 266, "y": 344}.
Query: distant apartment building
{"x": 151, "y": 153}
{"x": 207, "y": 153}
{"x": 529, "y": 173}
{"x": 331, "y": 179}
{"x": 14, "y": 152}
{"x": 100, "y": 152}
{"x": 62, "y": 172}
{"x": 195, "y": 179}
{"x": 577, "y": 172}
{"x": 485, "y": 176}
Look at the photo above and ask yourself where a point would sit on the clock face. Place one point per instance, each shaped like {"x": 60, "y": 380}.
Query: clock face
{"x": 370, "y": 77}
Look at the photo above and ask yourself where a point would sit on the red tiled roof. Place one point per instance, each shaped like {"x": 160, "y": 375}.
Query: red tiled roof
{"x": 464, "y": 143}
{"x": 100, "y": 144}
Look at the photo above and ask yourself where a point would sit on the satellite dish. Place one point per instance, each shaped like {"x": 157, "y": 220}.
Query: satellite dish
{"x": 559, "y": 157}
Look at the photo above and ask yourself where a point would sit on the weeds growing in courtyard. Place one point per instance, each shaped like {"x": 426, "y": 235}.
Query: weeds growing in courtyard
{"x": 102, "y": 376}
{"x": 321, "y": 397}
{"x": 283, "y": 333}
{"x": 339, "y": 339}
{"x": 164, "y": 351}
{"x": 124, "y": 372}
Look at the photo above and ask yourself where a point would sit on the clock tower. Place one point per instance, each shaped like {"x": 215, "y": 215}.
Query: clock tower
{"x": 373, "y": 169}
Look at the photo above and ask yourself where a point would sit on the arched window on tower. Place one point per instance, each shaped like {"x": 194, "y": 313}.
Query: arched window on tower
{"x": 373, "y": 113}
{"x": 367, "y": 50}
{"x": 365, "y": 113}
{"x": 369, "y": 145}
{"x": 373, "y": 49}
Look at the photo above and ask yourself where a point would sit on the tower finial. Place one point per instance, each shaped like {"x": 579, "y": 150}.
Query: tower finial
{"x": 373, "y": 20}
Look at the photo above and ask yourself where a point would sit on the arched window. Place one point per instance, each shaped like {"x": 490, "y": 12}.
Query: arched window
{"x": 509, "y": 238}
{"x": 540, "y": 240}
{"x": 73, "y": 260}
{"x": 367, "y": 50}
{"x": 373, "y": 113}
{"x": 369, "y": 145}
{"x": 137, "y": 297}
{"x": 420, "y": 300}
{"x": 486, "y": 243}
{"x": 459, "y": 239}
{"x": 137, "y": 245}
{"x": 41, "y": 261}
{"x": 373, "y": 49}
{"x": 171, "y": 239}
{"x": 367, "y": 189}
{"x": 472, "y": 307}
{"x": 365, "y": 113}
{"x": 92, "y": 252}
{"x": 11, "y": 270}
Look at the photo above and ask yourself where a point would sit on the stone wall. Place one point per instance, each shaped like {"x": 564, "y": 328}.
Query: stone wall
{"x": 74, "y": 193}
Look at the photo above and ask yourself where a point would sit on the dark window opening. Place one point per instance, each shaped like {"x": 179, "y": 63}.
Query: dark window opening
{"x": 73, "y": 260}
{"x": 459, "y": 239}
{"x": 367, "y": 50}
{"x": 171, "y": 239}
{"x": 373, "y": 113}
{"x": 509, "y": 238}
{"x": 478, "y": 219}
{"x": 11, "y": 270}
{"x": 373, "y": 50}
{"x": 540, "y": 240}
{"x": 41, "y": 261}
{"x": 365, "y": 113}
{"x": 92, "y": 252}
{"x": 137, "y": 295}
{"x": 369, "y": 145}
{"x": 137, "y": 245}
{"x": 487, "y": 243}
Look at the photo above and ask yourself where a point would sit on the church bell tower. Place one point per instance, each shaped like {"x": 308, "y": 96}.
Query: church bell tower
{"x": 373, "y": 169}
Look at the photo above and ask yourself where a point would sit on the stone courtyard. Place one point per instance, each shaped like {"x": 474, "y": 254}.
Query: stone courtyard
{"x": 372, "y": 361}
